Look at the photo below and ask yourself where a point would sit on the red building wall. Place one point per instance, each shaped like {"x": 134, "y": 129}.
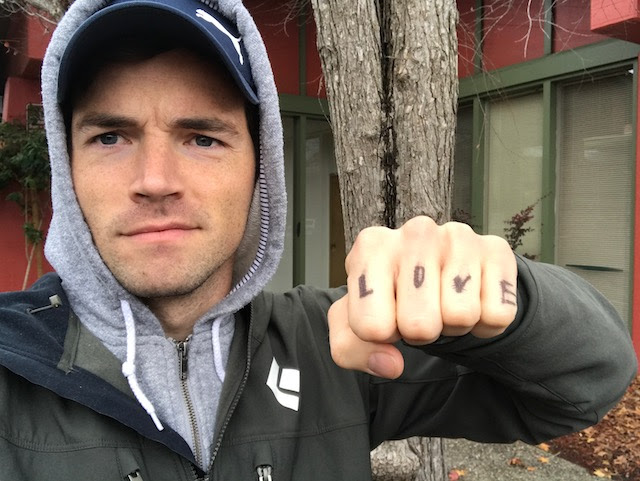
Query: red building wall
{"x": 466, "y": 33}
{"x": 576, "y": 26}
{"x": 513, "y": 32}
{"x": 279, "y": 29}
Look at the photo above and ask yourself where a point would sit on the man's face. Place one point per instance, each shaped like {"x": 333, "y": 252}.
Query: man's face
{"x": 163, "y": 168}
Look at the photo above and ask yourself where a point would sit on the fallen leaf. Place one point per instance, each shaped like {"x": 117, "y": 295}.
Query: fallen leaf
{"x": 516, "y": 462}
{"x": 531, "y": 468}
{"x": 543, "y": 460}
{"x": 545, "y": 447}
{"x": 601, "y": 474}
{"x": 456, "y": 474}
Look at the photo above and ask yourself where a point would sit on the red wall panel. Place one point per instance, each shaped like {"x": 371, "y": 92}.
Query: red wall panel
{"x": 278, "y": 25}
{"x": 28, "y": 38}
{"x": 513, "y": 32}
{"x": 466, "y": 33}
{"x": 573, "y": 28}
{"x": 315, "y": 82}
{"x": 616, "y": 18}
{"x": 18, "y": 92}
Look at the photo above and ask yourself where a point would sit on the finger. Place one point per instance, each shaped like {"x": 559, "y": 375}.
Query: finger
{"x": 371, "y": 287}
{"x": 499, "y": 289}
{"x": 460, "y": 282}
{"x": 418, "y": 300}
{"x": 350, "y": 352}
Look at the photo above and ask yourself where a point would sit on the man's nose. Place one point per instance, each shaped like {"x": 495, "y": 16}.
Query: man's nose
{"x": 157, "y": 174}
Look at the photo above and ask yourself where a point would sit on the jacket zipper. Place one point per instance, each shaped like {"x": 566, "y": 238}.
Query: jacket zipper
{"x": 236, "y": 399}
{"x": 264, "y": 473}
{"x": 183, "y": 368}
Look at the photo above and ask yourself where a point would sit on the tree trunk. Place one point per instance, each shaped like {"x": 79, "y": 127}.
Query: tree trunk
{"x": 390, "y": 69}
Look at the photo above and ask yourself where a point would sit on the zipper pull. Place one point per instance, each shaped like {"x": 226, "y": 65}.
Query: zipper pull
{"x": 183, "y": 358}
{"x": 264, "y": 473}
{"x": 135, "y": 476}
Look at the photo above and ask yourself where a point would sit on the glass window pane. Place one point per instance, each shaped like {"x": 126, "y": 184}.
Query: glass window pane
{"x": 595, "y": 184}
{"x": 283, "y": 278}
{"x": 320, "y": 166}
{"x": 461, "y": 192}
{"x": 514, "y": 167}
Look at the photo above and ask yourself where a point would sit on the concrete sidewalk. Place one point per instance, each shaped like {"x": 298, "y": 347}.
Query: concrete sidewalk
{"x": 490, "y": 462}
{"x": 480, "y": 462}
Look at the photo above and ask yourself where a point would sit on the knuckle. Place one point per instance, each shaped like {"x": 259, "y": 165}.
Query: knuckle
{"x": 368, "y": 241}
{"x": 494, "y": 243}
{"x": 370, "y": 236}
{"x": 498, "y": 318}
{"x": 371, "y": 329}
{"x": 420, "y": 329}
{"x": 461, "y": 315}
{"x": 459, "y": 229}
{"x": 419, "y": 226}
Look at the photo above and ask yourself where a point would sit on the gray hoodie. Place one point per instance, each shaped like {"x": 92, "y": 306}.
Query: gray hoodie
{"x": 120, "y": 320}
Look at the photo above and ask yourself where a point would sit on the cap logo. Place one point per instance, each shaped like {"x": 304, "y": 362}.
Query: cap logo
{"x": 236, "y": 41}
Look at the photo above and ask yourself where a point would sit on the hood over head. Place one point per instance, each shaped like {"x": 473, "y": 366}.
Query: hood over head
{"x": 223, "y": 29}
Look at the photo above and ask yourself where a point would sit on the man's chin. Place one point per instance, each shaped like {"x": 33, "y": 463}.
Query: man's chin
{"x": 144, "y": 289}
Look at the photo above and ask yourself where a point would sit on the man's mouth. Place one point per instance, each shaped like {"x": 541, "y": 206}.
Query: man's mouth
{"x": 163, "y": 232}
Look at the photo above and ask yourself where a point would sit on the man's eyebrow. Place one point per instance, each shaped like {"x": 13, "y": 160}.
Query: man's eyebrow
{"x": 205, "y": 123}
{"x": 108, "y": 121}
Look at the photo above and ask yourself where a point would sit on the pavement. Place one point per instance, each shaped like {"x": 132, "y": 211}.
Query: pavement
{"x": 491, "y": 462}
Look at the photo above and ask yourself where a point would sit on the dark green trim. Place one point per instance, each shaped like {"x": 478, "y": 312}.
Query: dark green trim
{"x": 547, "y": 207}
{"x": 477, "y": 168}
{"x": 302, "y": 49}
{"x": 299, "y": 199}
{"x": 548, "y": 26}
{"x": 550, "y": 67}
{"x": 477, "y": 54}
{"x": 303, "y": 105}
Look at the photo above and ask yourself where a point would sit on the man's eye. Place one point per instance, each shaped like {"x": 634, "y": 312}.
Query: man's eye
{"x": 204, "y": 141}
{"x": 108, "y": 138}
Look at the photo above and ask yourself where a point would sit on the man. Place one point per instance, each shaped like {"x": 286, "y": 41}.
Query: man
{"x": 153, "y": 352}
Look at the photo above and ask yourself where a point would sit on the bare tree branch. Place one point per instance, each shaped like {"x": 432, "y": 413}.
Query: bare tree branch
{"x": 49, "y": 11}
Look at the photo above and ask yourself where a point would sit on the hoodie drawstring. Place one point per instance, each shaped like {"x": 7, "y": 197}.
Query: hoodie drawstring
{"x": 217, "y": 351}
{"x": 129, "y": 366}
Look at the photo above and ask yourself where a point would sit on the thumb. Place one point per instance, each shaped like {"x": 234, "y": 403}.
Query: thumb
{"x": 350, "y": 352}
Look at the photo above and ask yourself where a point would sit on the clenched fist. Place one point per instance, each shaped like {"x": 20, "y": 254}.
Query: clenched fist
{"x": 417, "y": 283}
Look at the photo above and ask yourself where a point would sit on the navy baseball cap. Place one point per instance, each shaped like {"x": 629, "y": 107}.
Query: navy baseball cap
{"x": 191, "y": 22}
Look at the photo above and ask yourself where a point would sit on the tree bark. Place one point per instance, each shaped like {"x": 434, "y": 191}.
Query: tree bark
{"x": 350, "y": 47}
{"x": 390, "y": 69}
{"x": 423, "y": 90}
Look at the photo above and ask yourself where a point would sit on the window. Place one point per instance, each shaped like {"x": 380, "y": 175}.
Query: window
{"x": 595, "y": 191}
{"x": 513, "y": 166}
{"x": 317, "y": 159}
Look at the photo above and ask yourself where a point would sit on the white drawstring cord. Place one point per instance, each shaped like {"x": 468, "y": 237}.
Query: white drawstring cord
{"x": 217, "y": 352}
{"x": 129, "y": 366}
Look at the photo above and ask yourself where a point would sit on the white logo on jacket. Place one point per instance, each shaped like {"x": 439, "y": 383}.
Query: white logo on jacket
{"x": 236, "y": 41}
{"x": 284, "y": 383}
